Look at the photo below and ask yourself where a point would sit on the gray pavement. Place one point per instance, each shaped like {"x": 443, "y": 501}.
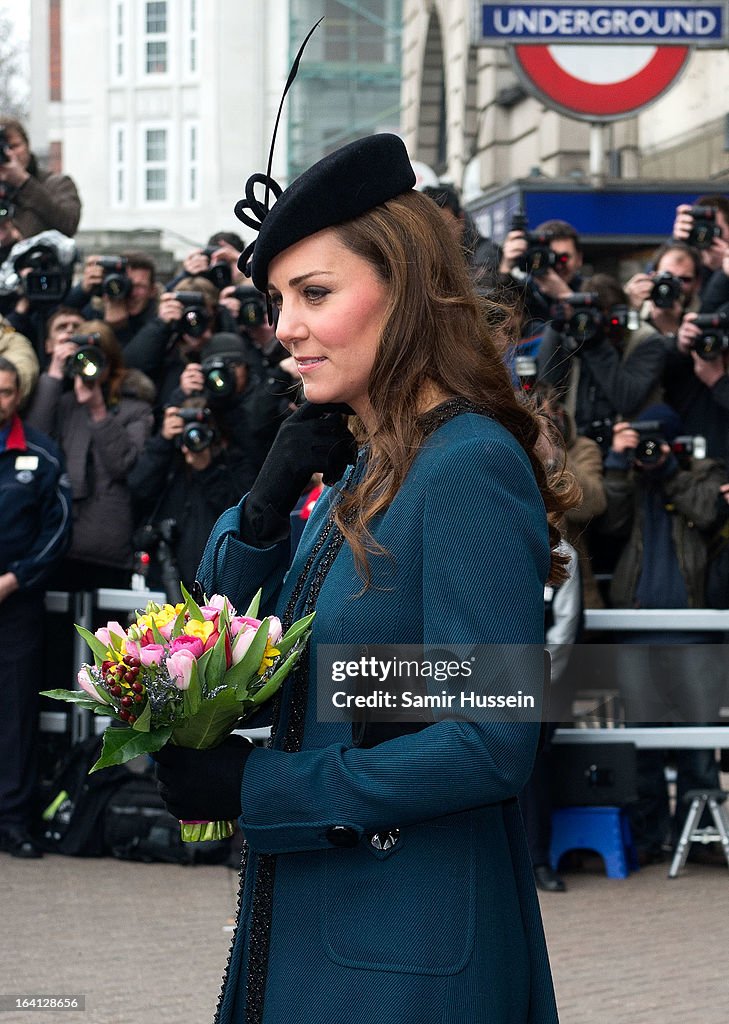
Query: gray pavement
{"x": 147, "y": 944}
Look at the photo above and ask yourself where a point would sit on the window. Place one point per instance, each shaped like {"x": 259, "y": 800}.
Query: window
{"x": 118, "y": 163}
{"x": 155, "y": 158}
{"x": 191, "y": 163}
{"x": 155, "y": 38}
{"x": 192, "y": 37}
{"x": 119, "y": 36}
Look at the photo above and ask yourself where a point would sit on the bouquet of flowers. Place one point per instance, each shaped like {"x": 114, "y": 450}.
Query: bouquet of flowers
{"x": 187, "y": 674}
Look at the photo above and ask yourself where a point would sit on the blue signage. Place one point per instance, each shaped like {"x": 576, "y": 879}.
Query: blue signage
{"x": 659, "y": 23}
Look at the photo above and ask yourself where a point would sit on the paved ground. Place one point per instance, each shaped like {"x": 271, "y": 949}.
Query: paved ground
{"x": 146, "y": 944}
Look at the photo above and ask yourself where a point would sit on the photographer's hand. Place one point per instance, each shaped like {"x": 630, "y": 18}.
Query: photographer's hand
{"x": 708, "y": 371}
{"x": 638, "y": 290}
{"x": 229, "y": 301}
{"x": 169, "y": 309}
{"x": 624, "y": 439}
{"x": 12, "y": 171}
{"x": 196, "y": 262}
{"x": 61, "y": 354}
{"x": 514, "y": 247}
{"x": 313, "y": 439}
{"x": 172, "y": 423}
{"x": 192, "y": 380}
{"x": 551, "y": 284}
{"x": 684, "y": 222}
{"x": 93, "y": 275}
{"x": 687, "y": 334}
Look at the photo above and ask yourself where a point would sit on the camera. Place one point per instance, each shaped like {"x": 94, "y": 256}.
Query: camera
{"x": 667, "y": 290}
{"x": 218, "y": 274}
{"x": 704, "y": 229}
{"x": 219, "y": 378}
{"x": 195, "y": 316}
{"x": 526, "y": 371}
{"x": 7, "y": 206}
{"x": 650, "y": 438}
{"x": 685, "y": 447}
{"x": 714, "y": 338}
{"x": 253, "y": 312}
{"x": 539, "y": 257}
{"x": 115, "y": 284}
{"x": 198, "y": 432}
{"x": 159, "y": 540}
{"x": 579, "y": 317}
{"x": 48, "y": 280}
{"x": 3, "y": 146}
{"x": 600, "y": 431}
{"x": 88, "y": 361}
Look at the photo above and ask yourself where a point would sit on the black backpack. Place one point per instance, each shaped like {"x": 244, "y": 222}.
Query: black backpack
{"x": 137, "y": 826}
{"x": 73, "y": 802}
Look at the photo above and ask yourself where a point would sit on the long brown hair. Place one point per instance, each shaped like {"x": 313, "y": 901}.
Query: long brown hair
{"x": 437, "y": 333}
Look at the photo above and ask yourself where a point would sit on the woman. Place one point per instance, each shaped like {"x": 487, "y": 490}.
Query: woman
{"x": 42, "y": 200}
{"x": 101, "y": 422}
{"x": 390, "y": 879}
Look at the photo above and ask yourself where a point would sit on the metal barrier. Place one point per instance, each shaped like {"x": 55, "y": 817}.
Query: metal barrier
{"x": 656, "y": 737}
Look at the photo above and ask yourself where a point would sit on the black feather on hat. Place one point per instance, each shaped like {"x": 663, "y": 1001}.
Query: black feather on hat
{"x": 339, "y": 187}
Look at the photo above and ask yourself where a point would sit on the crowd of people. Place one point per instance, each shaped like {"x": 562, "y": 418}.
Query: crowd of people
{"x": 158, "y": 403}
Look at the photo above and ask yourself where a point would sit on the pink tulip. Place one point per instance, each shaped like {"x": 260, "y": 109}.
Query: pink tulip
{"x": 133, "y": 648}
{"x": 275, "y": 629}
{"x": 152, "y": 654}
{"x": 102, "y": 633}
{"x": 166, "y": 630}
{"x": 85, "y": 682}
{"x": 219, "y": 601}
{"x": 193, "y": 644}
{"x": 210, "y": 614}
{"x": 242, "y": 622}
{"x": 242, "y": 642}
{"x": 179, "y": 666}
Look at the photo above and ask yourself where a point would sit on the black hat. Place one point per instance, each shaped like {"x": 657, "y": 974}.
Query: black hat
{"x": 338, "y": 188}
{"x": 225, "y": 345}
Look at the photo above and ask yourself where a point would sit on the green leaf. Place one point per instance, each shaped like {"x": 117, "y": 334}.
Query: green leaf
{"x": 178, "y": 624}
{"x": 192, "y": 696}
{"x": 144, "y": 722}
{"x": 158, "y": 638}
{"x": 291, "y": 635}
{"x": 240, "y": 675}
{"x": 216, "y": 664}
{"x": 270, "y": 687}
{"x": 79, "y": 697}
{"x": 100, "y": 651}
{"x": 252, "y": 611}
{"x": 214, "y": 721}
{"x": 121, "y": 745}
{"x": 191, "y": 605}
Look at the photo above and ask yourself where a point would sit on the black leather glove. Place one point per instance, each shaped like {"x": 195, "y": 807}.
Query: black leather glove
{"x": 203, "y": 785}
{"x": 314, "y": 439}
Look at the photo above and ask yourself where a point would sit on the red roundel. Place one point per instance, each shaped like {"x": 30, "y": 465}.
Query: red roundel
{"x": 600, "y": 83}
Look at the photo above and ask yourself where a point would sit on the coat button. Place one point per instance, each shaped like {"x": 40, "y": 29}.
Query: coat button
{"x": 342, "y": 835}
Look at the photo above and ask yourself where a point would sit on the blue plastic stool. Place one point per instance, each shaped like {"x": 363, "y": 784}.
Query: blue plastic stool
{"x": 606, "y": 830}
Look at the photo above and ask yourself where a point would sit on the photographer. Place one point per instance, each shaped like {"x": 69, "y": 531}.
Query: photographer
{"x": 185, "y": 320}
{"x": 705, "y": 225}
{"x": 664, "y": 294}
{"x": 187, "y": 475}
{"x": 217, "y": 261}
{"x": 696, "y": 381}
{"x": 101, "y": 424}
{"x": 601, "y": 369}
{"x": 42, "y": 201}
{"x": 538, "y": 268}
{"x": 662, "y": 507}
{"x": 119, "y": 288}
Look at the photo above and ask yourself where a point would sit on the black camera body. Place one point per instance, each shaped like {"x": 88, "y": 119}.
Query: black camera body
{"x": 714, "y": 338}
{"x": 650, "y": 438}
{"x": 579, "y": 318}
{"x": 3, "y": 147}
{"x": 116, "y": 284}
{"x": 667, "y": 290}
{"x": 704, "y": 229}
{"x": 218, "y": 274}
{"x": 687, "y": 447}
{"x": 601, "y": 431}
{"x": 88, "y": 361}
{"x": 198, "y": 432}
{"x": 7, "y": 195}
{"x": 219, "y": 377}
{"x": 253, "y": 311}
{"x": 159, "y": 540}
{"x": 48, "y": 280}
{"x": 195, "y": 316}
{"x": 539, "y": 257}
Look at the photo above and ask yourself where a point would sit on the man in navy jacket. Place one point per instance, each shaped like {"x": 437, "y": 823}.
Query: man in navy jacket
{"x": 35, "y": 530}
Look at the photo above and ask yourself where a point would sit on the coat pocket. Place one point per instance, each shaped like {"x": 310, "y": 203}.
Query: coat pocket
{"x": 413, "y": 912}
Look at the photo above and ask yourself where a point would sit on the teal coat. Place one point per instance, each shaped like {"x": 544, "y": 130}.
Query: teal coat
{"x": 444, "y": 927}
